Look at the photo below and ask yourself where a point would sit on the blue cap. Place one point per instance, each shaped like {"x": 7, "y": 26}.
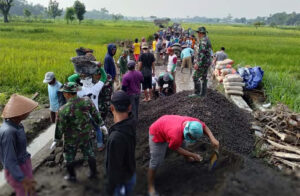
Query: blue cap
{"x": 195, "y": 128}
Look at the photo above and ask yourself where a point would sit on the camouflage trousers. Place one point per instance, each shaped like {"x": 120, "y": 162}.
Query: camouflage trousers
{"x": 70, "y": 151}
{"x": 200, "y": 80}
{"x": 104, "y": 109}
{"x": 104, "y": 100}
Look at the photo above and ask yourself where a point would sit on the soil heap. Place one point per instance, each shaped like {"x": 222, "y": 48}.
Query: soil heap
{"x": 229, "y": 124}
{"x": 235, "y": 173}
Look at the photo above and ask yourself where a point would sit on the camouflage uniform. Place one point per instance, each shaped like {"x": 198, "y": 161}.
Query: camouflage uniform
{"x": 123, "y": 65}
{"x": 74, "y": 122}
{"x": 105, "y": 97}
{"x": 204, "y": 61}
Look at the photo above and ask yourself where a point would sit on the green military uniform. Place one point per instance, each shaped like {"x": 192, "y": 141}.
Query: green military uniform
{"x": 74, "y": 123}
{"x": 204, "y": 60}
{"x": 105, "y": 97}
{"x": 123, "y": 66}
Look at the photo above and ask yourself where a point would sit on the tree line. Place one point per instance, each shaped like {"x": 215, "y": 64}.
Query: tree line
{"x": 77, "y": 11}
{"x": 283, "y": 18}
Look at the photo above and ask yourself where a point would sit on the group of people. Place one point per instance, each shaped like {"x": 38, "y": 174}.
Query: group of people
{"x": 80, "y": 106}
{"x": 198, "y": 57}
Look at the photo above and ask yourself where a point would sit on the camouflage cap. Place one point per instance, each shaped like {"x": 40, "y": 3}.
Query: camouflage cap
{"x": 70, "y": 87}
{"x": 201, "y": 30}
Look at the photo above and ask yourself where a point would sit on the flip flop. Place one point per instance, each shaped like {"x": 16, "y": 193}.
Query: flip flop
{"x": 101, "y": 149}
{"x": 153, "y": 194}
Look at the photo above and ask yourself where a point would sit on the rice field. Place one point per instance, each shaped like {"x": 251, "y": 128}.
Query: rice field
{"x": 29, "y": 50}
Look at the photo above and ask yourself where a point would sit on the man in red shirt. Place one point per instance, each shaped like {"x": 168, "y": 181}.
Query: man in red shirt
{"x": 171, "y": 131}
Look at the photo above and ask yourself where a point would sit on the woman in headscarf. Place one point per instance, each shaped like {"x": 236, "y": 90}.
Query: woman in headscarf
{"x": 13, "y": 154}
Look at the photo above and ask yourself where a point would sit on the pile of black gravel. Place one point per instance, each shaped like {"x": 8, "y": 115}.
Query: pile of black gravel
{"x": 229, "y": 124}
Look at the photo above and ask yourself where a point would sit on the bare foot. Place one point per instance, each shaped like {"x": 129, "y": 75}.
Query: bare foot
{"x": 152, "y": 192}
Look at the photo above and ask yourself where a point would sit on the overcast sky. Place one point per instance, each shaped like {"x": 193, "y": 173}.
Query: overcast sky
{"x": 183, "y": 8}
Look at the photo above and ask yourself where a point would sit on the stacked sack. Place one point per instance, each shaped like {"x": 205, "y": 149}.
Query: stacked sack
{"x": 224, "y": 68}
{"x": 233, "y": 84}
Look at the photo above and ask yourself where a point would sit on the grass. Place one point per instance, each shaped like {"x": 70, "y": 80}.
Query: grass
{"x": 32, "y": 49}
{"x": 29, "y": 50}
{"x": 276, "y": 50}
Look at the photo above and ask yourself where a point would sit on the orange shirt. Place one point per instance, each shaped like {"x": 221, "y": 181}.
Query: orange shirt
{"x": 193, "y": 43}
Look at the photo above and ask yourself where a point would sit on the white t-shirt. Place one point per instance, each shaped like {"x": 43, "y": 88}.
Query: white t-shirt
{"x": 172, "y": 63}
{"x": 92, "y": 92}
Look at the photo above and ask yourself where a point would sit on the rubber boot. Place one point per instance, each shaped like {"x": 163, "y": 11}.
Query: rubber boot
{"x": 93, "y": 168}
{"x": 204, "y": 88}
{"x": 71, "y": 173}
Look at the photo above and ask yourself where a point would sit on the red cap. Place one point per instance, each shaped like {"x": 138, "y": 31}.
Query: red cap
{"x": 169, "y": 50}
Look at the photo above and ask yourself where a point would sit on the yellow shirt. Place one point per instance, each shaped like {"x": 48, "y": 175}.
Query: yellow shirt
{"x": 154, "y": 45}
{"x": 137, "y": 48}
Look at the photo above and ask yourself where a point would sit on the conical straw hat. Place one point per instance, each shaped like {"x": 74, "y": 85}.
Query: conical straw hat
{"x": 17, "y": 106}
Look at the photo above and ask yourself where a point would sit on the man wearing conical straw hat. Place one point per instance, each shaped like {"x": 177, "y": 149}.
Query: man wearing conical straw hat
{"x": 13, "y": 154}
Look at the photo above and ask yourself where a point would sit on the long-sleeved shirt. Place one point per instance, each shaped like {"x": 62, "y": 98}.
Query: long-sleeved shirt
{"x": 187, "y": 52}
{"x": 120, "y": 153}
{"x": 13, "y": 151}
{"x": 204, "y": 53}
{"x": 123, "y": 65}
{"x": 109, "y": 63}
{"x": 74, "y": 121}
{"x": 94, "y": 90}
{"x": 54, "y": 96}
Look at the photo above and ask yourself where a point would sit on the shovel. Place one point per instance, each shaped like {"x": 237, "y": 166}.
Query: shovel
{"x": 213, "y": 160}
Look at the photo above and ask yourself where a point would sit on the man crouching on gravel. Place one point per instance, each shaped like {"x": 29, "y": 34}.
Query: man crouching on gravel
{"x": 172, "y": 131}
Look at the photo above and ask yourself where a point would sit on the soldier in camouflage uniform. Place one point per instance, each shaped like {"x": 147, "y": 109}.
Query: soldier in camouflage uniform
{"x": 203, "y": 62}
{"x": 74, "y": 123}
{"x": 105, "y": 97}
